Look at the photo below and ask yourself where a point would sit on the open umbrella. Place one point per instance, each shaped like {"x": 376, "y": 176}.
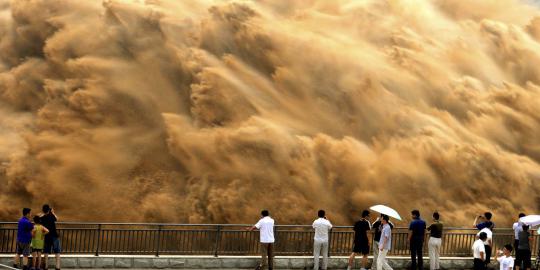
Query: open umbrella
{"x": 531, "y": 220}
{"x": 383, "y": 209}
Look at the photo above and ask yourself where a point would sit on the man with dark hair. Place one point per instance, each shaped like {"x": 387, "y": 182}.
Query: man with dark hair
{"x": 518, "y": 227}
{"x": 487, "y": 226}
{"x": 361, "y": 242}
{"x": 322, "y": 228}
{"x": 52, "y": 241}
{"x": 417, "y": 230}
{"x": 523, "y": 254}
{"x": 266, "y": 227}
{"x": 479, "y": 252}
{"x": 506, "y": 262}
{"x": 377, "y": 228}
{"x": 481, "y": 222}
{"x": 434, "y": 244}
{"x": 24, "y": 238}
{"x": 385, "y": 244}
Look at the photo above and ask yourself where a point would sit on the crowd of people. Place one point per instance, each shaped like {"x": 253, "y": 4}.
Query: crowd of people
{"x": 37, "y": 238}
{"x": 40, "y": 237}
{"x": 382, "y": 242}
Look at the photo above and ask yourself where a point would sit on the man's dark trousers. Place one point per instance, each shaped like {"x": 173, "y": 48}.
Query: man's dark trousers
{"x": 417, "y": 252}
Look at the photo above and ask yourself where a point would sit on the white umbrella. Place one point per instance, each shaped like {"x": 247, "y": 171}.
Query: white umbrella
{"x": 383, "y": 209}
{"x": 531, "y": 220}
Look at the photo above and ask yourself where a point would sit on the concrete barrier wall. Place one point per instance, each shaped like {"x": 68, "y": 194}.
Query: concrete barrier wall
{"x": 226, "y": 262}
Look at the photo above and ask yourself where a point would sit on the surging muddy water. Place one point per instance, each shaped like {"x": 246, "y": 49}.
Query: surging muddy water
{"x": 208, "y": 111}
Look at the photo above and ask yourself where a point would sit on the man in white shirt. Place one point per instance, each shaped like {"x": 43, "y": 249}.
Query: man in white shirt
{"x": 479, "y": 252}
{"x": 506, "y": 262}
{"x": 518, "y": 227}
{"x": 266, "y": 228}
{"x": 488, "y": 244}
{"x": 385, "y": 243}
{"x": 322, "y": 228}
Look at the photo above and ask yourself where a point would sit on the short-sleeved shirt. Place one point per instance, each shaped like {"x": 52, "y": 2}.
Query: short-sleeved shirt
{"x": 322, "y": 226}
{"x": 49, "y": 221}
{"x": 486, "y": 224}
{"x": 505, "y": 263}
{"x": 266, "y": 228}
{"x": 489, "y": 234}
{"x": 436, "y": 229}
{"x": 478, "y": 247}
{"x": 518, "y": 227}
{"x": 418, "y": 228}
{"x": 377, "y": 227}
{"x": 361, "y": 228}
{"x": 524, "y": 240}
{"x": 24, "y": 230}
{"x": 386, "y": 232}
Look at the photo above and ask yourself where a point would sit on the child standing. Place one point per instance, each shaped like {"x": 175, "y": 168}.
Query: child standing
{"x": 38, "y": 241}
{"x": 506, "y": 261}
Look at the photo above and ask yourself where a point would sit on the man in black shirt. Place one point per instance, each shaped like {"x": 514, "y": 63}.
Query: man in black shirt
{"x": 52, "y": 242}
{"x": 361, "y": 242}
{"x": 377, "y": 227}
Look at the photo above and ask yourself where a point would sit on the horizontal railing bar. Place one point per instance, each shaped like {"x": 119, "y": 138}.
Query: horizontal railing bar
{"x": 224, "y": 225}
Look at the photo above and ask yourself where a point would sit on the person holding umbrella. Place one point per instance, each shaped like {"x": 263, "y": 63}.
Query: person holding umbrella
{"x": 377, "y": 228}
{"x": 385, "y": 244}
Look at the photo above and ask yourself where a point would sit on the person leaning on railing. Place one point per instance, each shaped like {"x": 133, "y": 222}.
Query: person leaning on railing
{"x": 266, "y": 227}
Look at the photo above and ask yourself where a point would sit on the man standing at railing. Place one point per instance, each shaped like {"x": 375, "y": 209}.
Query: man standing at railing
{"x": 266, "y": 228}
{"x": 518, "y": 227}
{"x": 484, "y": 224}
{"x": 479, "y": 252}
{"x": 361, "y": 242}
{"x": 385, "y": 244}
{"x": 52, "y": 242}
{"x": 417, "y": 230}
{"x": 322, "y": 228}
{"x": 24, "y": 238}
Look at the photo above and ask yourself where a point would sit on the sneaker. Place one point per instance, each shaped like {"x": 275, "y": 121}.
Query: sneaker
{"x": 15, "y": 265}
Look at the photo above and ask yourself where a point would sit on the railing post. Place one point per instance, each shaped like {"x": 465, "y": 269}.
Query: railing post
{"x": 158, "y": 238}
{"x": 98, "y": 239}
{"x": 218, "y": 238}
{"x": 329, "y": 243}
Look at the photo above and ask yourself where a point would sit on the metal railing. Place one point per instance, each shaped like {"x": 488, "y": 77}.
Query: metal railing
{"x": 229, "y": 239}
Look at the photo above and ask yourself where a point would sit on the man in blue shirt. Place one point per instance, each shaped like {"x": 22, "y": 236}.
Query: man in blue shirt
{"x": 481, "y": 223}
{"x": 24, "y": 238}
{"x": 417, "y": 230}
